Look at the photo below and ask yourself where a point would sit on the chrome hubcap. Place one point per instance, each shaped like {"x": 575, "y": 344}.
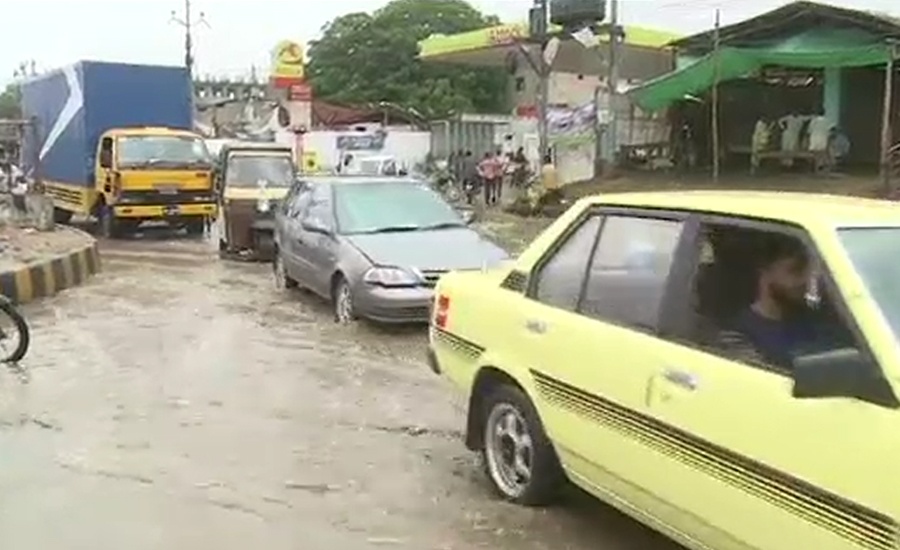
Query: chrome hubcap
{"x": 344, "y": 304}
{"x": 509, "y": 450}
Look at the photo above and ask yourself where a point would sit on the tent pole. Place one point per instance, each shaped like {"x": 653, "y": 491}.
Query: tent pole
{"x": 886, "y": 127}
{"x": 715, "y": 99}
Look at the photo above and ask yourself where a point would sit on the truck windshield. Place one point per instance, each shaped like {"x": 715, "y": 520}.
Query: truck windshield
{"x": 250, "y": 170}
{"x": 874, "y": 252}
{"x": 149, "y": 152}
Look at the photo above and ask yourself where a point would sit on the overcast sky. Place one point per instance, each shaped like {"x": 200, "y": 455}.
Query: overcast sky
{"x": 241, "y": 32}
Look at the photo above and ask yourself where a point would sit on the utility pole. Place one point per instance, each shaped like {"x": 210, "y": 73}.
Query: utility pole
{"x": 715, "y": 96}
{"x": 887, "y": 128}
{"x": 188, "y": 23}
{"x": 542, "y": 25}
{"x": 615, "y": 36}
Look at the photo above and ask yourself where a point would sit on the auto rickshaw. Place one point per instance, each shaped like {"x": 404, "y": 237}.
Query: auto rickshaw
{"x": 251, "y": 179}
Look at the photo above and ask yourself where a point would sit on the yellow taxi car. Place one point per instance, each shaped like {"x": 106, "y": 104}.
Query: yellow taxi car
{"x": 722, "y": 366}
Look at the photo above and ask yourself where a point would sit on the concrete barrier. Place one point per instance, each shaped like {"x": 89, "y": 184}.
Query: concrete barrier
{"x": 48, "y": 276}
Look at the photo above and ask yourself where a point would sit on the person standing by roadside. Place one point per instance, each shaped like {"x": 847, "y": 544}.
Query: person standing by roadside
{"x": 503, "y": 162}
{"x": 550, "y": 192}
{"x": 470, "y": 176}
{"x": 489, "y": 170}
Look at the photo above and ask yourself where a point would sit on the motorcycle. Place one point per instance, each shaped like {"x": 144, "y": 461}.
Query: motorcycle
{"x": 15, "y": 352}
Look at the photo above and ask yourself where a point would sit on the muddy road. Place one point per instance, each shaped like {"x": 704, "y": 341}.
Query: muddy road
{"x": 180, "y": 402}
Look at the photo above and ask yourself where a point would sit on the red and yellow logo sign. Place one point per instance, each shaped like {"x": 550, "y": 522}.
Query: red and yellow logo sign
{"x": 287, "y": 61}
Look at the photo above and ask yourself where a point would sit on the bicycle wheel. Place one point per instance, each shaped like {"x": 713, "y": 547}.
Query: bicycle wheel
{"x": 14, "y": 335}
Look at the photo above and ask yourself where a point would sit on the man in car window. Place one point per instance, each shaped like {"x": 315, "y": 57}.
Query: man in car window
{"x": 779, "y": 323}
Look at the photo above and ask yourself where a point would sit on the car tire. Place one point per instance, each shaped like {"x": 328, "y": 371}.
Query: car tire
{"x": 517, "y": 455}
{"x": 282, "y": 281}
{"x": 342, "y": 302}
{"x": 61, "y": 216}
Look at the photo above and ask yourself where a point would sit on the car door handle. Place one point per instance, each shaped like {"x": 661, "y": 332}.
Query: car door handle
{"x": 536, "y": 326}
{"x": 681, "y": 378}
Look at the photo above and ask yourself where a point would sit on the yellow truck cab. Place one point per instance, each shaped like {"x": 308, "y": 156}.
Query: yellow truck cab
{"x": 148, "y": 174}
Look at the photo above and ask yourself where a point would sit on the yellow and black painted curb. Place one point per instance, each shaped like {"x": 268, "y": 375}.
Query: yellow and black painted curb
{"x": 47, "y": 277}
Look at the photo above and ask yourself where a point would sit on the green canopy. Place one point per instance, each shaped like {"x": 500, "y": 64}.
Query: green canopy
{"x": 817, "y": 49}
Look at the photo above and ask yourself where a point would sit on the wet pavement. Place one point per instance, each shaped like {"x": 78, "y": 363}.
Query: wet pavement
{"x": 180, "y": 402}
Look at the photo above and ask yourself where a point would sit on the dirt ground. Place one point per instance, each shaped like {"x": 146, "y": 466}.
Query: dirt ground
{"x": 180, "y": 402}
{"x": 21, "y": 246}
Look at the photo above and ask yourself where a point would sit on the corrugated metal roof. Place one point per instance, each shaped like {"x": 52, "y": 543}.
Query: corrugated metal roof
{"x": 791, "y": 18}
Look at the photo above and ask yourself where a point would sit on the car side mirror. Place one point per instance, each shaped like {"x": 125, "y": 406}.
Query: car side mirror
{"x": 315, "y": 225}
{"x": 844, "y": 372}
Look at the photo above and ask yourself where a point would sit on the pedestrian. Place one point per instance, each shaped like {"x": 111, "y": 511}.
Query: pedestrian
{"x": 470, "y": 176}
{"x": 19, "y": 191}
{"x": 502, "y": 162}
{"x": 550, "y": 191}
{"x": 459, "y": 166}
{"x": 520, "y": 168}
{"x": 489, "y": 169}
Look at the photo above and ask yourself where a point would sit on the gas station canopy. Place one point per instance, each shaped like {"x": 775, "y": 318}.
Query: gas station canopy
{"x": 497, "y": 47}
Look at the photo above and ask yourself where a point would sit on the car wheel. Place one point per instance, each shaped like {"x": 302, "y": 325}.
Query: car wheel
{"x": 282, "y": 281}
{"x": 518, "y": 457}
{"x": 344, "y": 311}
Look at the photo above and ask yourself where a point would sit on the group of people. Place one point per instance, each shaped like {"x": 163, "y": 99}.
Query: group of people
{"x": 795, "y": 133}
{"x": 489, "y": 173}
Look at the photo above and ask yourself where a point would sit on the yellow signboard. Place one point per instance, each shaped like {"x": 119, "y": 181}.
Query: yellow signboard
{"x": 310, "y": 163}
{"x": 287, "y": 60}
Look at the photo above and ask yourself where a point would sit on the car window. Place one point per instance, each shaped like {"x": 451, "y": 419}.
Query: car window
{"x": 560, "y": 279}
{"x": 296, "y": 204}
{"x": 320, "y": 208}
{"x": 628, "y": 273}
{"x": 873, "y": 253}
{"x": 725, "y": 288}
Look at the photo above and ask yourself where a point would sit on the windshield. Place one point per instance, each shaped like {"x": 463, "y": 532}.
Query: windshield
{"x": 162, "y": 152}
{"x": 247, "y": 171}
{"x": 391, "y": 206}
{"x": 874, "y": 253}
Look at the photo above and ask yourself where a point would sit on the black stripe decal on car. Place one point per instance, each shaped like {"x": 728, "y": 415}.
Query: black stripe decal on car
{"x": 457, "y": 343}
{"x": 516, "y": 281}
{"x": 868, "y": 528}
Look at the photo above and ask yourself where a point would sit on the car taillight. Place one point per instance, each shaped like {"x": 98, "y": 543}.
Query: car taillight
{"x": 441, "y": 311}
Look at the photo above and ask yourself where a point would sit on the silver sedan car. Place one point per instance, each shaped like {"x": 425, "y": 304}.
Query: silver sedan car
{"x": 373, "y": 247}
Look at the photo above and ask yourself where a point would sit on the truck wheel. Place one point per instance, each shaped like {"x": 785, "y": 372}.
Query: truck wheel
{"x": 61, "y": 216}
{"x": 195, "y": 227}
{"x": 518, "y": 456}
{"x": 109, "y": 227}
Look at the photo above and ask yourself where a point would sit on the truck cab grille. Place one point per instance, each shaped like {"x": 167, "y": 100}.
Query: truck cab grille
{"x": 156, "y": 197}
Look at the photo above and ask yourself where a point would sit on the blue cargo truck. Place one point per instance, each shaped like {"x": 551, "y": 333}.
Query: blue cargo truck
{"x": 116, "y": 141}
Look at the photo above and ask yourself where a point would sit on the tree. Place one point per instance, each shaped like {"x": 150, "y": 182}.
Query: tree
{"x": 369, "y": 58}
{"x": 9, "y": 102}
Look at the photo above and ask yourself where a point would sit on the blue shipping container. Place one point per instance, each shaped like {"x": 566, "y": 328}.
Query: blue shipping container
{"x": 75, "y": 105}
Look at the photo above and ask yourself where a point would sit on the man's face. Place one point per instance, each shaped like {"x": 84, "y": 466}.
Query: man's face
{"x": 787, "y": 280}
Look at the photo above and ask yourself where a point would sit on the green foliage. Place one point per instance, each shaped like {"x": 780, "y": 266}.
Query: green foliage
{"x": 9, "y": 102}
{"x": 368, "y": 58}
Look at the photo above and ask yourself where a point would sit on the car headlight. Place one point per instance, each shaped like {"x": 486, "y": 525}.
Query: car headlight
{"x": 391, "y": 277}
{"x": 264, "y": 205}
